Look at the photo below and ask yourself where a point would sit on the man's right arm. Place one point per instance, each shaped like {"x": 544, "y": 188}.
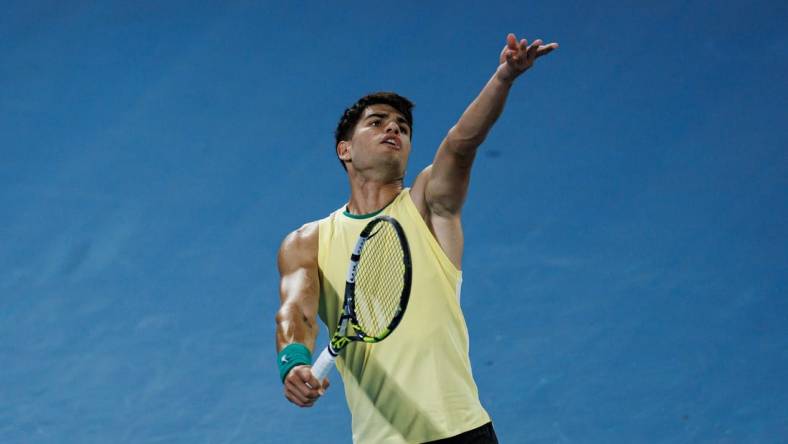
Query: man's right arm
{"x": 296, "y": 320}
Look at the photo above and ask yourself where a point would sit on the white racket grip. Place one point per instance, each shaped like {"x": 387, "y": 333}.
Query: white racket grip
{"x": 323, "y": 365}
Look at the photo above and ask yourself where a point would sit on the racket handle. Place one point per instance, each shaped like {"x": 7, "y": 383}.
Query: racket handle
{"x": 323, "y": 365}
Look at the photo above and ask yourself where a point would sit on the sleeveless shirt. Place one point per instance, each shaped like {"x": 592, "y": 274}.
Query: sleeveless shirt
{"x": 417, "y": 384}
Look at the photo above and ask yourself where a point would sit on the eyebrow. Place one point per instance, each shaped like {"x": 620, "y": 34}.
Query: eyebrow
{"x": 383, "y": 115}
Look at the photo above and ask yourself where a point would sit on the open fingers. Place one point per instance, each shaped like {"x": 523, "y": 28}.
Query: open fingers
{"x": 533, "y": 48}
{"x": 511, "y": 48}
{"x": 546, "y": 49}
{"x": 524, "y": 45}
{"x": 511, "y": 42}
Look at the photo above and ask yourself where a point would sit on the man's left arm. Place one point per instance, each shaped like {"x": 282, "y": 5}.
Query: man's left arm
{"x": 444, "y": 185}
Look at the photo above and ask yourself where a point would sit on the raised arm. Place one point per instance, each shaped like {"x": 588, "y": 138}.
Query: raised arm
{"x": 296, "y": 320}
{"x": 440, "y": 190}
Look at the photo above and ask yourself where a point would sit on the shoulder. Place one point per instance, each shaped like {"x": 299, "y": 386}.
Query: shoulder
{"x": 299, "y": 247}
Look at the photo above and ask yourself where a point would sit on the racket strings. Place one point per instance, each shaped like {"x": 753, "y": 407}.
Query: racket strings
{"x": 379, "y": 281}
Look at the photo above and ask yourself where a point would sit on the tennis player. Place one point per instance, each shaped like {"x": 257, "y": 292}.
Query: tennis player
{"x": 416, "y": 386}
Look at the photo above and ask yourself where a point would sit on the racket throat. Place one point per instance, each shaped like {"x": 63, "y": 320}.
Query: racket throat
{"x": 336, "y": 345}
{"x": 340, "y": 339}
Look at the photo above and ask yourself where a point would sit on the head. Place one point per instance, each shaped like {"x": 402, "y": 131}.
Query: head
{"x": 375, "y": 132}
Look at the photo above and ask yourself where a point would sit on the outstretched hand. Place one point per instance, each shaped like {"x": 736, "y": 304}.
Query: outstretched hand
{"x": 518, "y": 57}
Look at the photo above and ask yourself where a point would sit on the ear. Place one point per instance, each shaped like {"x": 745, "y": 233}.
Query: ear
{"x": 343, "y": 150}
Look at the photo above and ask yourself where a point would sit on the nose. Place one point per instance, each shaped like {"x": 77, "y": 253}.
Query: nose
{"x": 393, "y": 126}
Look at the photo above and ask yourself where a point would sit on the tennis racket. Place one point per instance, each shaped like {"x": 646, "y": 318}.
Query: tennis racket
{"x": 377, "y": 290}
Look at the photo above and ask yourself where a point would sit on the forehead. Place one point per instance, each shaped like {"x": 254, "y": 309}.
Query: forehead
{"x": 381, "y": 108}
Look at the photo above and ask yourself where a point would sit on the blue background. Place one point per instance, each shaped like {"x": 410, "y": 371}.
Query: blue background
{"x": 625, "y": 268}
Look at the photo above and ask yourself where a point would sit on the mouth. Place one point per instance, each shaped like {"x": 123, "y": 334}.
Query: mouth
{"x": 393, "y": 142}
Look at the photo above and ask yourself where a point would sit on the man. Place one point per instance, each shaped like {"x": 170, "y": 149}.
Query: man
{"x": 416, "y": 386}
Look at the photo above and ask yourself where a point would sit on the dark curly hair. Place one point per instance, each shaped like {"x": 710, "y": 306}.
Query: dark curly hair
{"x": 351, "y": 115}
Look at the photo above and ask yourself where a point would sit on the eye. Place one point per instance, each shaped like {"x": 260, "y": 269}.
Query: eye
{"x": 375, "y": 122}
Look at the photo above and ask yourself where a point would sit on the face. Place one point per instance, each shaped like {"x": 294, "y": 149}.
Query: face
{"x": 380, "y": 144}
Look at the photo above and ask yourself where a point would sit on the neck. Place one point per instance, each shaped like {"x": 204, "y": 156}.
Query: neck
{"x": 368, "y": 196}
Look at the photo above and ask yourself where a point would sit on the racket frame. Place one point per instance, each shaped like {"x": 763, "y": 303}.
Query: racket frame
{"x": 347, "y": 320}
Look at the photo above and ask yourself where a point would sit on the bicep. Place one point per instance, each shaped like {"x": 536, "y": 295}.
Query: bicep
{"x": 300, "y": 287}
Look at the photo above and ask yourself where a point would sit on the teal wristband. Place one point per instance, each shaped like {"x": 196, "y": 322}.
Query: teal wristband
{"x": 292, "y": 355}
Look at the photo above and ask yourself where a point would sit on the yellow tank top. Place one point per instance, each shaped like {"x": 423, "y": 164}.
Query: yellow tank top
{"x": 416, "y": 385}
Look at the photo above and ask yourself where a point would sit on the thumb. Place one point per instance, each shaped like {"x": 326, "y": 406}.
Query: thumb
{"x": 323, "y": 388}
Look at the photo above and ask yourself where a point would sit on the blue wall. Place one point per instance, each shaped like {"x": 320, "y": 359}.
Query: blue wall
{"x": 625, "y": 269}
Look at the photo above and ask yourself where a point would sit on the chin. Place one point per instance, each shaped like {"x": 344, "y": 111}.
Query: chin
{"x": 391, "y": 172}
